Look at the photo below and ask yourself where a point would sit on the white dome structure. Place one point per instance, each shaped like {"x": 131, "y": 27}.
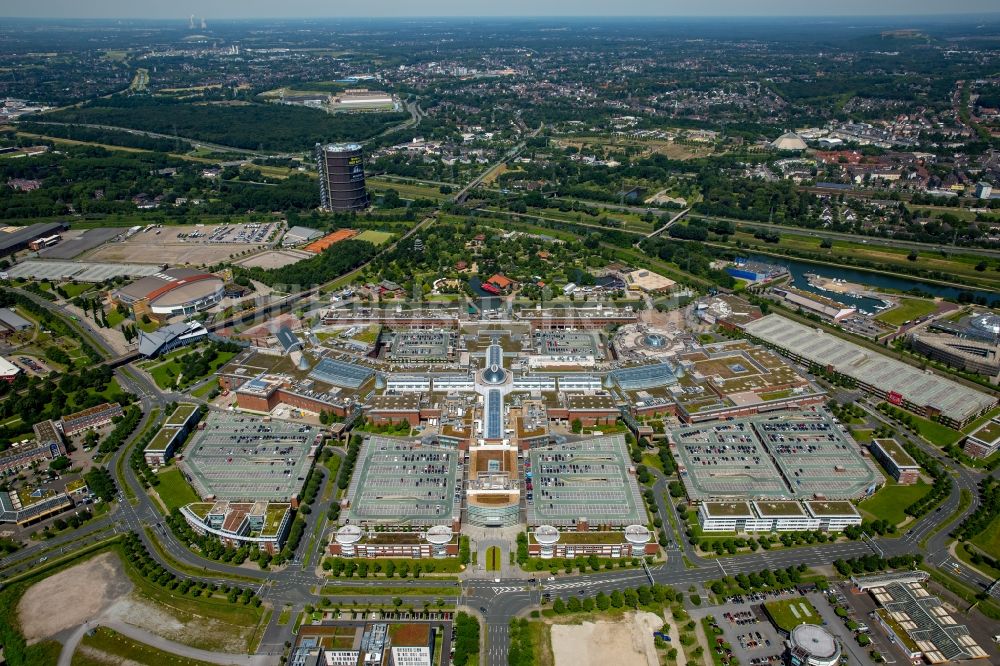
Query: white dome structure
{"x": 812, "y": 645}
{"x": 789, "y": 141}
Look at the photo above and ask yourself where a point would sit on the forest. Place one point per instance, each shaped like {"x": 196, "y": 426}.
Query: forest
{"x": 328, "y": 265}
{"x": 239, "y": 124}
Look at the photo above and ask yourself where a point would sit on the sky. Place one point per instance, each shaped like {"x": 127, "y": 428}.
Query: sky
{"x": 222, "y": 9}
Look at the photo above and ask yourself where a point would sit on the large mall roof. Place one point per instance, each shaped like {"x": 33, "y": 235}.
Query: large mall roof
{"x": 885, "y": 374}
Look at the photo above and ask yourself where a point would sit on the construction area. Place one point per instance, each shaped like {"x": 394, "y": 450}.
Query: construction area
{"x": 239, "y": 457}
{"x": 791, "y": 456}
{"x": 590, "y": 479}
{"x": 401, "y": 482}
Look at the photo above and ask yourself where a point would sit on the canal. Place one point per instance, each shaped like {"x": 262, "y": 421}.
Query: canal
{"x": 798, "y": 269}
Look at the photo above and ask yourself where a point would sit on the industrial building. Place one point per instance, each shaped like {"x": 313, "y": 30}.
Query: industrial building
{"x": 11, "y": 322}
{"x": 8, "y": 371}
{"x": 14, "y": 239}
{"x": 923, "y": 393}
{"x": 171, "y": 292}
{"x": 341, "y": 170}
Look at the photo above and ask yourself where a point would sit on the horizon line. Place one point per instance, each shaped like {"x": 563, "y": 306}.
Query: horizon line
{"x": 716, "y": 17}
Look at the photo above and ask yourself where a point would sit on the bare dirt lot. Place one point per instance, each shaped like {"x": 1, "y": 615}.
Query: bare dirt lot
{"x": 99, "y": 589}
{"x": 274, "y": 259}
{"x": 72, "y": 596}
{"x": 152, "y": 250}
{"x": 628, "y": 642}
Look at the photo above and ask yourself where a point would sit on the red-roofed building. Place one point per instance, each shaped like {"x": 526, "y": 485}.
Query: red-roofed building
{"x": 501, "y": 282}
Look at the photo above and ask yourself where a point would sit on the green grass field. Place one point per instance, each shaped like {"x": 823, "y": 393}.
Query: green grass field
{"x": 74, "y": 290}
{"x": 115, "y": 318}
{"x": 374, "y": 237}
{"x": 989, "y": 539}
{"x": 789, "y": 613}
{"x": 889, "y": 503}
{"x": 165, "y": 374}
{"x": 935, "y": 433}
{"x": 907, "y": 310}
{"x": 174, "y": 490}
{"x": 493, "y": 558}
{"x": 122, "y": 649}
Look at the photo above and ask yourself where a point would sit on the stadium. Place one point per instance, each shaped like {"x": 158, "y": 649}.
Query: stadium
{"x": 174, "y": 291}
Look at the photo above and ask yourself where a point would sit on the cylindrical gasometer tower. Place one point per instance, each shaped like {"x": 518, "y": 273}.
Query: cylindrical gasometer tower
{"x": 341, "y": 176}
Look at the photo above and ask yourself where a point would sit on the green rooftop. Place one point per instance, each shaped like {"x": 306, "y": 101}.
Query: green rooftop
{"x": 181, "y": 414}
{"x": 989, "y": 432}
{"x": 273, "y": 516}
{"x": 775, "y": 509}
{"x": 895, "y": 451}
{"x": 728, "y": 509}
{"x": 162, "y": 438}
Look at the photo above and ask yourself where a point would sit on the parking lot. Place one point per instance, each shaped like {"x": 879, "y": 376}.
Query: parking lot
{"x": 399, "y": 482}
{"x": 247, "y": 458}
{"x": 588, "y": 479}
{"x": 797, "y": 455}
{"x": 756, "y": 642}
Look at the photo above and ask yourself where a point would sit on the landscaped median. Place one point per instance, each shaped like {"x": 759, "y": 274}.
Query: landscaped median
{"x": 389, "y": 590}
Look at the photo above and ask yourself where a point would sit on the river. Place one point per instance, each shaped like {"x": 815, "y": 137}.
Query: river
{"x": 798, "y": 268}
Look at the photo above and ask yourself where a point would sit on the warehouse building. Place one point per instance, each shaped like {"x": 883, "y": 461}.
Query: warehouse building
{"x": 899, "y": 383}
{"x": 14, "y": 239}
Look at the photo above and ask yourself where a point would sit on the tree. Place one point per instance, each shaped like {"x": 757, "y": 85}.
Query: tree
{"x": 559, "y": 606}
{"x": 577, "y": 426}
{"x": 602, "y": 601}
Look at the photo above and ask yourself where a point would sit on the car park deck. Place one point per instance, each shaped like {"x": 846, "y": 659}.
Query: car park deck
{"x": 239, "y": 457}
